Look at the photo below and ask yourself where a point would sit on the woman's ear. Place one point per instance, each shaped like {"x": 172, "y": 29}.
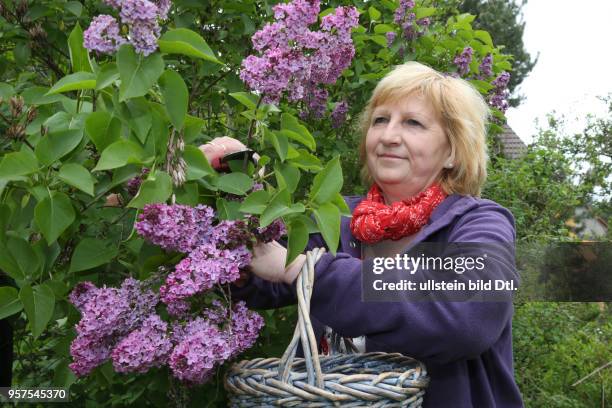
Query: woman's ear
{"x": 450, "y": 160}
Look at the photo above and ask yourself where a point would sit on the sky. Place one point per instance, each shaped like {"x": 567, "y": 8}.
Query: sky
{"x": 574, "y": 66}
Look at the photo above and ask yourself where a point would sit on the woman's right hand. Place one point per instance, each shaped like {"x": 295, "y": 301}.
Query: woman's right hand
{"x": 219, "y": 147}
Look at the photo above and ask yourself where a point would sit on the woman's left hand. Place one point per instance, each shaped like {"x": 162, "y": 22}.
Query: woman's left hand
{"x": 268, "y": 263}
{"x": 219, "y": 147}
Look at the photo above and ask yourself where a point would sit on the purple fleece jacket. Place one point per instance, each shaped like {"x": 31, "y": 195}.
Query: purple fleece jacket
{"x": 466, "y": 346}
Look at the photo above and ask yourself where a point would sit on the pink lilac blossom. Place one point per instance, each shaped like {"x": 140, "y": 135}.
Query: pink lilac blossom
{"x": 103, "y": 35}
{"x": 200, "y": 349}
{"x": 116, "y": 4}
{"x": 144, "y": 348}
{"x": 231, "y": 234}
{"x": 202, "y": 269}
{"x": 296, "y": 60}
{"x": 175, "y": 227}
{"x": 339, "y": 114}
{"x": 462, "y": 61}
{"x": 107, "y": 316}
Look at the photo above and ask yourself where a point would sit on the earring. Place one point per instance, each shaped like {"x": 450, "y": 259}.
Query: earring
{"x": 449, "y": 165}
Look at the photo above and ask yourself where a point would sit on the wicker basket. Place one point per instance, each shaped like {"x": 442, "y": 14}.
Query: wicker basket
{"x": 343, "y": 380}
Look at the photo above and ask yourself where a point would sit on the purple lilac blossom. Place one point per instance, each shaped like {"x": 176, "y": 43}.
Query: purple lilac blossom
{"x": 244, "y": 328}
{"x": 202, "y": 269}
{"x": 400, "y": 11}
{"x": 146, "y": 347}
{"x": 486, "y": 66}
{"x": 116, "y": 4}
{"x": 498, "y": 97}
{"x": 390, "y": 38}
{"x": 462, "y": 61}
{"x": 175, "y": 227}
{"x": 133, "y": 184}
{"x": 296, "y": 60}
{"x": 143, "y": 37}
{"x": 201, "y": 347}
{"x": 81, "y": 294}
{"x": 231, "y": 234}
{"x": 103, "y": 35}
{"x": 107, "y": 316}
{"x": 272, "y": 232}
{"x": 339, "y": 114}
{"x": 138, "y": 11}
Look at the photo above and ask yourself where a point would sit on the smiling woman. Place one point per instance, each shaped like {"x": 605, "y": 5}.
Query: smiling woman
{"x": 424, "y": 158}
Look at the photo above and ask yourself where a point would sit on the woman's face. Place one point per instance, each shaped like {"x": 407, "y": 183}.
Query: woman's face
{"x": 406, "y": 147}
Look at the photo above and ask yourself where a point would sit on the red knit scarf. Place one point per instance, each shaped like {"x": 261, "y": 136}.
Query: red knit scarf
{"x": 374, "y": 221}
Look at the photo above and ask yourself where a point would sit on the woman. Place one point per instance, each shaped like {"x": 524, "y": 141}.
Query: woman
{"x": 424, "y": 154}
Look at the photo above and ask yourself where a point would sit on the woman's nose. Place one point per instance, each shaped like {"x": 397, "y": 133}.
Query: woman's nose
{"x": 391, "y": 134}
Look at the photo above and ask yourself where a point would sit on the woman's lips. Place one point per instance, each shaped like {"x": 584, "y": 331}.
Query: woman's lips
{"x": 390, "y": 156}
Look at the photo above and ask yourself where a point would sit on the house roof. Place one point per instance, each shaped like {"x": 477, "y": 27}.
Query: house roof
{"x": 512, "y": 145}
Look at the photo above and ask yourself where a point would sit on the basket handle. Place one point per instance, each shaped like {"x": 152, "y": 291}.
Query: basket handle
{"x": 303, "y": 330}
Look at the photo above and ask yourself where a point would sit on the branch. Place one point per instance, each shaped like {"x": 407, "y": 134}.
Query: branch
{"x": 609, "y": 363}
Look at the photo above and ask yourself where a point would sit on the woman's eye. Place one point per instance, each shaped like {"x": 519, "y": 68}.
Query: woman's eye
{"x": 379, "y": 119}
{"x": 413, "y": 122}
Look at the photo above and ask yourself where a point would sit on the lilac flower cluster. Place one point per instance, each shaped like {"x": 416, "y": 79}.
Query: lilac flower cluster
{"x": 133, "y": 184}
{"x": 202, "y": 345}
{"x": 108, "y": 314}
{"x": 486, "y": 67}
{"x": 411, "y": 27}
{"x": 140, "y": 16}
{"x": 215, "y": 253}
{"x": 175, "y": 227}
{"x": 296, "y": 60}
{"x": 498, "y": 97}
{"x": 463, "y": 60}
{"x": 121, "y": 324}
{"x": 339, "y": 114}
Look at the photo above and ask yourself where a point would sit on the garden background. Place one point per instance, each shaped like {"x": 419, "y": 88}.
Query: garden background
{"x": 78, "y": 126}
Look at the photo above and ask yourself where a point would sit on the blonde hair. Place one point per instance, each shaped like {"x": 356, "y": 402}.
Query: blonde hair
{"x": 462, "y": 110}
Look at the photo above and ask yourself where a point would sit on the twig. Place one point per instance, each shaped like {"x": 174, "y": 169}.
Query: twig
{"x": 609, "y": 363}
{"x": 252, "y": 126}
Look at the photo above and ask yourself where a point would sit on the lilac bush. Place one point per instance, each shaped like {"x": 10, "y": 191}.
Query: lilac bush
{"x": 463, "y": 60}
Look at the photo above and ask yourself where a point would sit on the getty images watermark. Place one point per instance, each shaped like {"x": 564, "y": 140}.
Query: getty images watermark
{"x": 490, "y": 272}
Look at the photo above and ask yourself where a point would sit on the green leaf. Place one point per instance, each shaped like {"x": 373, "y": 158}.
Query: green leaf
{"x": 73, "y": 82}
{"x": 75, "y": 7}
{"x": 279, "y": 206}
{"x": 278, "y": 141}
{"x": 246, "y": 98}
{"x": 287, "y": 175}
{"x": 484, "y": 36}
{"x": 186, "y": 42}
{"x": 53, "y": 215}
{"x": 91, "y": 252}
{"x": 422, "y": 12}
{"x": 56, "y": 145}
{"x": 107, "y": 75}
{"x": 176, "y": 97}
{"x": 383, "y": 28}
{"x": 38, "y": 303}
{"x": 119, "y": 154}
{"x": 379, "y": 39}
{"x": 25, "y": 258}
{"x": 9, "y": 302}
{"x": 305, "y": 160}
{"x": 339, "y": 202}
{"x": 5, "y": 219}
{"x": 327, "y": 183}
{"x": 228, "y": 210}
{"x": 137, "y": 72}
{"x": 14, "y": 165}
{"x": 140, "y": 120}
{"x": 374, "y": 13}
{"x": 255, "y": 203}
{"x": 298, "y": 132}
{"x": 298, "y": 239}
{"x": 197, "y": 164}
{"x": 328, "y": 221}
{"x": 77, "y": 176}
{"x": 235, "y": 183}
{"x": 103, "y": 129}
{"x": 153, "y": 190}
{"x": 79, "y": 57}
